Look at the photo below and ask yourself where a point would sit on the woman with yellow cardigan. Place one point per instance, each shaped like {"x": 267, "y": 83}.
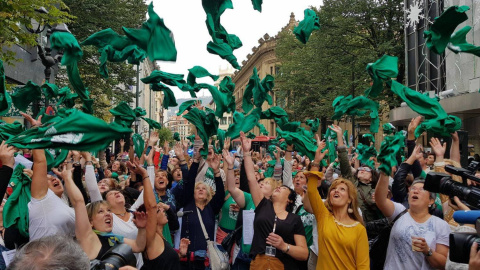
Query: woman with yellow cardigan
{"x": 342, "y": 237}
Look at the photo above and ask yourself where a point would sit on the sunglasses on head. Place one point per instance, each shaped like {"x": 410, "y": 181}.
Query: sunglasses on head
{"x": 365, "y": 169}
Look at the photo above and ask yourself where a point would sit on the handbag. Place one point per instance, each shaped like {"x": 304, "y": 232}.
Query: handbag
{"x": 230, "y": 239}
{"x": 218, "y": 259}
{"x": 379, "y": 246}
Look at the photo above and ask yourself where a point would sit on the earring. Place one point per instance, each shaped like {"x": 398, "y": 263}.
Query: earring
{"x": 350, "y": 210}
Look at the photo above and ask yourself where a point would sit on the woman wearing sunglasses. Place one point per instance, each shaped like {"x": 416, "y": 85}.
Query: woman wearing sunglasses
{"x": 364, "y": 180}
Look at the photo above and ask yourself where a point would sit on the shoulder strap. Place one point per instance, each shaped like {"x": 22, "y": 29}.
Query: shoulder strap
{"x": 203, "y": 226}
{"x": 399, "y": 216}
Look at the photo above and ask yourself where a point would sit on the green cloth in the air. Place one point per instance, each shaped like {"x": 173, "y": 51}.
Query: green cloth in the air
{"x": 273, "y": 112}
{"x": 224, "y": 102}
{"x": 8, "y": 131}
{"x": 388, "y": 128}
{"x": 369, "y": 137}
{"x": 357, "y": 106}
{"x": 191, "y": 138}
{"x": 154, "y": 38}
{"x": 314, "y": 124}
{"x": 263, "y": 130}
{"x": 438, "y": 35}
{"x": 169, "y": 99}
{"x": 124, "y": 115}
{"x": 286, "y": 125}
{"x": 176, "y": 136}
{"x": 5, "y": 100}
{"x": 258, "y": 91}
{"x": 389, "y": 148}
{"x": 302, "y": 140}
{"x": 50, "y": 90}
{"x": 242, "y": 122}
{"x": 72, "y": 53}
{"x": 222, "y": 43}
{"x": 76, "y": 131}
{"x": 158, "y": 76}
{"x": 66, "y": 97}
{"x": 55, "y": 157}
{"x": 383, "y": 69}
{"x": 250, "y": 135}
{"x": 15, "y": 211}
{"x": 152, "y": 124}
{"x": 193, "y": 74}
{"x": 458, "y": 42}
{"x": 205, "y": 123}
{"x": 257, "y": 5}
{"x": 138, "y": 144}
{"x": 22, "y": 97}
{"x": 331, "y": 142}
{"x": 365, "y": 152}
{"x": 345, "y": 138}
{"x": 305, "y": 28}
{"x": 436, "y": 119}
{"x": 187, "y": 105}
{"x": 220, "y": 141}
{"x": 132, "y": 54}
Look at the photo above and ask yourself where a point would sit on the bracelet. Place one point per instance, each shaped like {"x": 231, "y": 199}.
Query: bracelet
{"x": 145, "y": 178}
{"x": 230, "y": 168}
{"x": 91, "y": 162}
{"x": 288, "y": 249}
{"x": 76, "y": 163}
{"x": 439, "y": 164}
{"x": 247, "y": 154}
{"x": 314, "y": 164}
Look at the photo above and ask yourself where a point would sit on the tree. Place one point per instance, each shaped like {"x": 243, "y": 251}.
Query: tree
{"x": 15, "y": 16}
{"x": 165, "y": 134}
{"x": 93, "y": 16}
{"x": 353, "y": 33}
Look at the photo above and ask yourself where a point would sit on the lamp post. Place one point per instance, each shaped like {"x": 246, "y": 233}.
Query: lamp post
{"x": 45, "y": 53}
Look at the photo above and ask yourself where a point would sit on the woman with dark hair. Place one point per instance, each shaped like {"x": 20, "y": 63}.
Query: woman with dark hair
{"x": 364, "y": 180}
{"x": 342, "y": 238}
{"x": 279, "y": 237}
{"x": 418, "y": 240}
{"x": 159, "y": 254}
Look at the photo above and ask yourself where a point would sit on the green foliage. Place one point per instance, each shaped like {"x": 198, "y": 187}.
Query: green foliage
{"x": 93, "y": 16}
{"x": 353, "y": 33}
{"x": 165, "y": 134}
{"x": 15, "y": 15}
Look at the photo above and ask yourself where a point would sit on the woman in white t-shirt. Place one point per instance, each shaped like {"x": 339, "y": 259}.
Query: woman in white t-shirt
{"x": 418, "y": 240}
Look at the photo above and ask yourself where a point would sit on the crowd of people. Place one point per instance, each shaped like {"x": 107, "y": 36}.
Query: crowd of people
{"x": 166, "y": 205}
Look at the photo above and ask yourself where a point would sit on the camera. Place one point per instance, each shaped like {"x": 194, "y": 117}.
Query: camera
{"x": 443, "y": 183}
{"x": 116, "y": 257}
{"x": 461, "y": 242}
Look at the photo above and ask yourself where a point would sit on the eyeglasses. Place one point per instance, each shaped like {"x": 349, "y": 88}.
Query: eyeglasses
{"x": 419, "y": 189}
{"x": 365, "y": 169}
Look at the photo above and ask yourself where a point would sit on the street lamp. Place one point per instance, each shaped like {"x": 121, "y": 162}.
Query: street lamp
{"x": 45, "y": 53}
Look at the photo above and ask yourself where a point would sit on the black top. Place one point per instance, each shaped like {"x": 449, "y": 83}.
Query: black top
{"x": 106, "y": 245}
{"x": 263, "y": 226}
{"x": 167, "y": 260}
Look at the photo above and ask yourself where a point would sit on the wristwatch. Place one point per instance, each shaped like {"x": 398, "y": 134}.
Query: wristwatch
{"x": 430, "y": 252}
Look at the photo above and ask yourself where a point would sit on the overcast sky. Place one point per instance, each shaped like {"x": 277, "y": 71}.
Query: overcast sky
{"x": 186, "y": 19}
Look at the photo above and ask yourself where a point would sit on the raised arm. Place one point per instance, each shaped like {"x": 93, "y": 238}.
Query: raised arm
{"x": 287, "y": 167}
{"x": 218, "y": 198}
{"x": 316, "y": 203}
{"x": 277, "y": 170}
{"x": 8, "y": 162}
{"x": 345, "y": 167}
{"x": 381, "y": 191}
{"x": 152, "y": 246}
{"x": 255, "y": 191}
{"x": 455, "y": 148}
{"x": 237, "y": 195}
{"x": 91, "y": 180}
{"x": 39, "y": 187}
{"x": 83, "y": 230}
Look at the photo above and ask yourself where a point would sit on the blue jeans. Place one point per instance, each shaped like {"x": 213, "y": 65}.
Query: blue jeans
{"x": 242, "y": 262}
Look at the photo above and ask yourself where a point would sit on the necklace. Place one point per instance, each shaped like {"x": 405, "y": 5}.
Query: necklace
{"x": 122, "y": 215}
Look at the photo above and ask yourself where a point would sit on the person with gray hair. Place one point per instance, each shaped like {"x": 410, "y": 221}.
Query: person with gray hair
{"x": 418, "y": 240}
{"x": 54, "y": 252}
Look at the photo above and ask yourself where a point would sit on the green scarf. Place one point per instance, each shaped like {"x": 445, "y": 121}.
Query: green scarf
{"x": 138, "y": 144}
{"x": 5, "y": 99}
{"x": 124, "y": 115}
{"x": 305, "y": 28}
{"x": 15, "y": 211}
{"x": 152, "y": 123}
{"x": 258, "y": 91}
{"x": 113, "y": 239}
{"x": 206, "y": 124}
{"x": 242, "y": 122}
{"x": 8, "y": 131}
{"x": 383, "y": 69}
{"x": 22, "y": 97}
{"x": 389, "y": 148}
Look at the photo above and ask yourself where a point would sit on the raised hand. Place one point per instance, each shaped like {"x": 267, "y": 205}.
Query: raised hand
{"x": 246, "y": 142}
{"x": 228, "y": 158}
{"x": 438, "y": 148}
{"x": 136, "y": 168}
{"x": 226, "y": 143}
{"x": 412, "y": 126}
{"x": 152, "y": 141}
{"x": 214, "y": 162}
{"x": 140, "y": 219}
{"x": 122, "y": 143}
{"x": 183, "y": 248}
{"x": 337, "y": 130}
{"x": 177, "y": 148}
{"x": 7, "y": 155}
{"x": 33, "y": 122}
{"x": 166, "y": 147}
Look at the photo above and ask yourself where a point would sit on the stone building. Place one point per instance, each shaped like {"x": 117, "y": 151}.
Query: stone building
{"x": 264, "y": 59}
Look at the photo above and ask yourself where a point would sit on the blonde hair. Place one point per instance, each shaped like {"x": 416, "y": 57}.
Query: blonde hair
{"x": 92, "y": 208}
{"x": 352, "y": 195}
{"x": 274, "y": 183}
{"x": 208, "y": 188}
